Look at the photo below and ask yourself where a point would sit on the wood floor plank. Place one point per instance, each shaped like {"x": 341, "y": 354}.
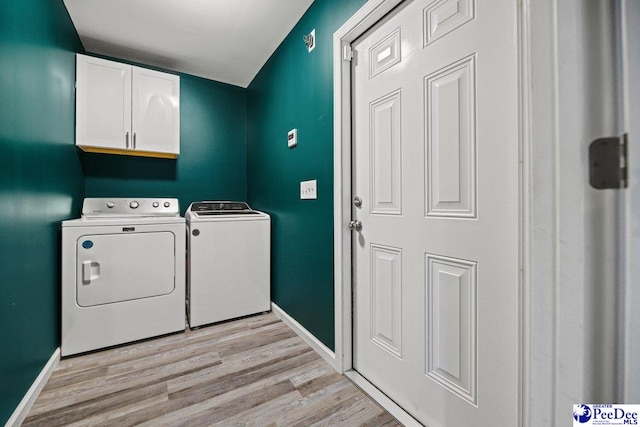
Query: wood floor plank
{"x": 185, "y": 413}
{"x": 246, "y": 376}
{"x": 237, "y": 363}
{"x": 261, "y": 415}
{"x": 107, "y": 417}
{"x": 319, "y": 383}
{"x": 154, "y": 346}
{"x": 254, "y": 341}
{"x": 382, "y": 420}
{"x": 197, "y": 394}
{"x": 88, "y": 408}
{"x": 360, "y": 412}
{"x": 221, "y": 413}
{"x": 253, "y": 371}
{"x": 98, "y": 387}
{"x": 323, "y": 369}
{"x": 75, "y": 377}
{"x": 163, "y": 357}
{"x": 234, "y": 393}
{"x": 300, "y": 408}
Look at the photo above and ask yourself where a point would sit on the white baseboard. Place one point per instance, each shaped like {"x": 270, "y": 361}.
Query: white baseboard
{"x": 29, "y": 399}
{"x": 320, "y": 348}
{"x": 381, "y": 399}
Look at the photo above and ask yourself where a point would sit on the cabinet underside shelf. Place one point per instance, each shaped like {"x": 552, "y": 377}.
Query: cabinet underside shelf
{"x": 128, "y": 152}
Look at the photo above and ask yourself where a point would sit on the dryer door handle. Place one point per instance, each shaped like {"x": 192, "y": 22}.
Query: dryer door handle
{"x": 86, "y": 272}
{"x": 90, "y": 271}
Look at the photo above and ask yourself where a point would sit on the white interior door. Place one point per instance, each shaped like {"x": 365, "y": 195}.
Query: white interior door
{"x": 435, "y": 163}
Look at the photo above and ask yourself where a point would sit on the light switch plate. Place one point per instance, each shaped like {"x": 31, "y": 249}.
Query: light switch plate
{"x": 308, "y": 190}
{"x": 292, "y": 138}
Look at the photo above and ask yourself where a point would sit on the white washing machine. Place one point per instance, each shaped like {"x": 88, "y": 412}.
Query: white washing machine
{"x": 229, "y": 259}
{"x": 123, "y": 273}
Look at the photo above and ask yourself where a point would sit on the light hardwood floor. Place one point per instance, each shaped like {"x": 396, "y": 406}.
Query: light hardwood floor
{"x": 248, "y": 372}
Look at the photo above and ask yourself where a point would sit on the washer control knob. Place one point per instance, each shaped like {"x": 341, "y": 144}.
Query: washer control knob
{"x": 134, "y": 205}
{"x": 167, "y": 204}
{"x": 156, "y": 204}
{"x": 110, "y": 205}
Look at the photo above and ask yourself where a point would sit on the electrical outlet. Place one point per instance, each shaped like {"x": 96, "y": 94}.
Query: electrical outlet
{"x": 308, "y": 190}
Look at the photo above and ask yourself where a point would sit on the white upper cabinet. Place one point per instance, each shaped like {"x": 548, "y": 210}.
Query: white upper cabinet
{"x": 155, "y": 111}
{"x": 103, "y": 103}
{"x": 124, "y": 109}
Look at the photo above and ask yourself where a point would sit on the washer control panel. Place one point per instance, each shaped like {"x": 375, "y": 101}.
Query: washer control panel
{"x": 211, "y": 208}
{"x": 219, "y": 206}
{"x": 116, "y": 206}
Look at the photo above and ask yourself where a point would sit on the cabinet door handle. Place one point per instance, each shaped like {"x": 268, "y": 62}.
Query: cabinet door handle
{"x": 126, "y": 138}
{"x": 134, "y": 140}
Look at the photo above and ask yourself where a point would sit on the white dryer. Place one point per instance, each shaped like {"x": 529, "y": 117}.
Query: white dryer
{"x": 228, "y": 275}
{"x": 123, "y": 273}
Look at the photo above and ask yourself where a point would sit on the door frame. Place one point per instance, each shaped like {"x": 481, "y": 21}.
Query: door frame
{"x": 630, "y": 374}
{"x": 367, "y": 16}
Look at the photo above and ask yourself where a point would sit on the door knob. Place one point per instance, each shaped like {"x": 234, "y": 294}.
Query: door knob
{"x": 355, "y": 225}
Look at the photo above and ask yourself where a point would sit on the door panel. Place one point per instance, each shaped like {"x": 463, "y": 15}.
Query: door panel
{"x": 443, "y": 17}
{"x": 156, "y": 113}
{"x": 121, "y": 267}
{"x": 103, "y": 102}
{"x": 435, "y": 162}
{"x": 386, "y": 150}
{"x": 450, "y": 141}
{"x": 386, "y": 302}
{"x": 451, "y": 324}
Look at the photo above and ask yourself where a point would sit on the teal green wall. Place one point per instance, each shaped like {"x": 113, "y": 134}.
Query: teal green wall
{"x": 43, "y": 177}
{"x": 213, "y": 146}
{"x": 40, "y": 184}
{"x": 295, "y": 90}
{"x": 233, "y": 144}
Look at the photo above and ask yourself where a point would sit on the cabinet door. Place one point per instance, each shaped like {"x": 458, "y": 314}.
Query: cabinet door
{"x": 103, "y": 103}
{"x": 156, "y": 111}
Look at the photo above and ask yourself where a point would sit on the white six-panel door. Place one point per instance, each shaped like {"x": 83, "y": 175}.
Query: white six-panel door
{"x": 435, "y": 163}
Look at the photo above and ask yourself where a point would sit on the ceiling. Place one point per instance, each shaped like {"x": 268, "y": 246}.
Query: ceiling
{"x": 223, "y": 40}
